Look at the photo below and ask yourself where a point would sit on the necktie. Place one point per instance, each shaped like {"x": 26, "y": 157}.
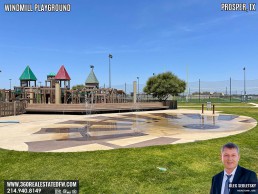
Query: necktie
{"x": 226, "y": 189}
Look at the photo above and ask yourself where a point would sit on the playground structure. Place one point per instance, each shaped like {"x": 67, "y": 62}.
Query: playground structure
{"x": 57, "y": 95}
{"x": 57, "y": 90}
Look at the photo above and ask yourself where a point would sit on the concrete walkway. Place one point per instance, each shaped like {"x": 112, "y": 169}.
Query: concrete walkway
{"x": 73, "y": 133}
{"x": 254, "y": 105}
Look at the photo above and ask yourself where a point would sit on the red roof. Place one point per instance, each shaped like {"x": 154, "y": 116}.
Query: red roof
{"x": 62, "y": 74}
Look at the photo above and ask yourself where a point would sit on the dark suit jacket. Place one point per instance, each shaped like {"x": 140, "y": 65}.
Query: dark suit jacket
{"x": 242, "y": 175}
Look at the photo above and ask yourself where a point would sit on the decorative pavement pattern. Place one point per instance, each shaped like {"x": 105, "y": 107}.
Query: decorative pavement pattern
{"x": 72, "y": 133}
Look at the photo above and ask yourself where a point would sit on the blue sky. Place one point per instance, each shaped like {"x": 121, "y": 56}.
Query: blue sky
{"x": 144, "y": 37}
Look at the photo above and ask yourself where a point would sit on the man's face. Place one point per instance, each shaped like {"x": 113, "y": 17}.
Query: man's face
{"x": 230, "y": 158}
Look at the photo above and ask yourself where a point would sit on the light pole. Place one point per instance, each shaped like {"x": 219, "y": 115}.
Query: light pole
{"x": 138, "y": 85}
{"x": 244, "y": 86}
{"x": 110, "y": 57}
{"x": 199, "y": 90}
{"x": 230, "y": 89}
{"x": 39, "y": 84}
{"x": 10, "y": 84}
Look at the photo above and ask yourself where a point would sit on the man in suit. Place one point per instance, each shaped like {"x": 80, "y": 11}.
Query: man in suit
{"x": 234, "y": 179}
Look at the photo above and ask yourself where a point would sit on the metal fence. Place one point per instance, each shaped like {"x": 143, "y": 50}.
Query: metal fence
{"x": 236, "y": 87}
{"x": 218, "y": 91}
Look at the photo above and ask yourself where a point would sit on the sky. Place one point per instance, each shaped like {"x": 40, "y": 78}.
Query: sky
{"x": 193, "y": 39}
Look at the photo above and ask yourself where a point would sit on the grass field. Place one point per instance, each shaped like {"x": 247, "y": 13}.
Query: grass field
{"x": 217, "y": 104}
{"x": 190, "y": 166}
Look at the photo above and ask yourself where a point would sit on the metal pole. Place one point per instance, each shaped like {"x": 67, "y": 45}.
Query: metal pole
{"x": 230, "y": 89}
{"x": 244, "y": 86}
{"x": 10, "y": 84}
{"x": 125, "y": 88}
{"x": 109, "y": 73}
{"x": 138, "y": 85}
{"x": 199, "y": 90}
{"x": 187, "y": 84}
{"x": 110, "y": 57}
{"x": 189, "y": 92}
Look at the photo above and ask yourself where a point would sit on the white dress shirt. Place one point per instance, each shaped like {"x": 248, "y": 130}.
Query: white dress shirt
{"x": 225, "y": 179}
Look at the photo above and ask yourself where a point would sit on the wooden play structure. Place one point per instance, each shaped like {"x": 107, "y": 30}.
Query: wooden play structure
{"x": 57, "y": 90}
{"x": 56, "y": 96}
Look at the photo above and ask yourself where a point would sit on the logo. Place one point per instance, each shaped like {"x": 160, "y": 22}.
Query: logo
{"x": 58, "y": 191}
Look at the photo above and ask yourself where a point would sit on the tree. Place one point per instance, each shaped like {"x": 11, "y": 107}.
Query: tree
{"x": 78, "y": 87}
{"x": 163, "y": 85}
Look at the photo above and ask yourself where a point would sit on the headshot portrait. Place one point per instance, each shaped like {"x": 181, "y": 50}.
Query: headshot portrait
{"x": 234, "y": 179}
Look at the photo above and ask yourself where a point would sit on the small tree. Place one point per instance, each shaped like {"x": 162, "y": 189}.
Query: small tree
{"x": 163, "y": 85}
{"x": 78, "y": 87}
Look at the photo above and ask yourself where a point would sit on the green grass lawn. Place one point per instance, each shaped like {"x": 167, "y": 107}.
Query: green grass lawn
{"x": 229, "y": 104}
{"x": 213, "y": 100}
{"x": 190, "y": 166}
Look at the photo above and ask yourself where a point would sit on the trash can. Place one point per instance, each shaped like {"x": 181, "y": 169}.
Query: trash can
{"x": 172, "y": 104}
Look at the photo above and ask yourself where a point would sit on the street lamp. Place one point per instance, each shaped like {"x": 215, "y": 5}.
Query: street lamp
{"x": 10, "y": 84}
{"x": 110, "y": 57}
{"x": 244, "y": 86}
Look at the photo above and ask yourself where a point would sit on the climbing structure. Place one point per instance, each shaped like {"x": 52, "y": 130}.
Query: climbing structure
{"x": 57, "y": 90}
{"x": 50, "y": 80}
{"x": 63, "y": 76}
{"x": 92, "y": 81}
{"x": 27, "y": 77}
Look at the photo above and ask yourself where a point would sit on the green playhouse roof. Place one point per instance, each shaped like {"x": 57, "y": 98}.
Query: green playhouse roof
{"x": 28, "y": 75}
{"x": 51, "y": 74}
{"x": 92, "y": 79}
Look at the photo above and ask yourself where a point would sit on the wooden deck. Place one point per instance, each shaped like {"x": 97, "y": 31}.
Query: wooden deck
{"x": 94, "y": 108}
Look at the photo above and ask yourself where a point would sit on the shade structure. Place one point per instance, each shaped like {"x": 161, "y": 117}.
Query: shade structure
{"x": 28, "y": 75}
{"x": 62, "y": 74}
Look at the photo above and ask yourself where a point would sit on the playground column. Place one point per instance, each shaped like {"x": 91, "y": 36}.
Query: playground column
{"x": 14, "y": 108}
{"x": 134, "y": 91}
{"x": 91, "y": 97}
{"x": 3, "y": 95}
{"x": 10, "y": 95}
{"x": 65, "y": 97}
{"x": 57, "y": 94}
{"x": 31, "y": 96}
